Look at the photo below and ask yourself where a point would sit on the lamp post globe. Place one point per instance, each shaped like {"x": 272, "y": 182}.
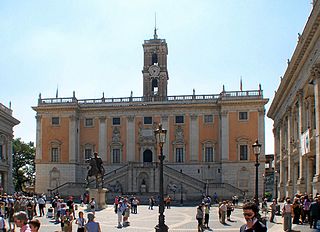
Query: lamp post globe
{"x": 257, "y": 150}
{"x": 160, "y": 135}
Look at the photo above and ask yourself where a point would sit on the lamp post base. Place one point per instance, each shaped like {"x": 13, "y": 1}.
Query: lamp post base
{"x": 163, "y": 228}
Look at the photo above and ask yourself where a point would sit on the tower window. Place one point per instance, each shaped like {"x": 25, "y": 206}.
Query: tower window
{"x": 155, "y": 86}
{"x": 154, "y": 58}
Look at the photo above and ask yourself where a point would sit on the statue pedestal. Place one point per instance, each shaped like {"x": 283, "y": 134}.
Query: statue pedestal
{"x": 99, "y": 195}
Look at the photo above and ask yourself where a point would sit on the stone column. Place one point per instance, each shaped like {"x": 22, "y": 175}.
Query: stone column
{"x": 224, "y": 130}
{"x": 194, "y": 138}
{"x": 38, "y": 138}
{"x": 130, "y": 148}
{"x": 10, "y": 189}
{"x": 315, "y": 73}
{"x": 301, "y": 180}
{"x": 102, "y": 138}
{"x": 290, "y": 158}
{"x": 281, "y": 164}
{"x": 165, "y": 125}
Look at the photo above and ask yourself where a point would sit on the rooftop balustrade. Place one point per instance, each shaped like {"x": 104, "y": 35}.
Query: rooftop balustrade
{"x": 226, "y": 95}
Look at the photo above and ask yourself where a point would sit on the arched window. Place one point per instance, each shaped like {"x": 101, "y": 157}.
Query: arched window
{"x": 155, "y": 86}
{"x": 154, "y": 58}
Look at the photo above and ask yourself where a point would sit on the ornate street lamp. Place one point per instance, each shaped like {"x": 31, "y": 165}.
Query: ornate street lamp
{"x": 257, "y": 150}
{"x": 160, "y": 135}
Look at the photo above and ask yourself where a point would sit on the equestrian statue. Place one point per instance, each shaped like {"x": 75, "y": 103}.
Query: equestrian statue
{"x": 96, "y": 170}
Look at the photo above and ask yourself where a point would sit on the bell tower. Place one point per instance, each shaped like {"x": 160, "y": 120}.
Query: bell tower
{"x": 155, "y": 72}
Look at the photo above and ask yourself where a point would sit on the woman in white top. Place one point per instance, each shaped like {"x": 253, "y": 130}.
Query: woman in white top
{"x": 81, "y": 222}
{"x": 287, "y": 212}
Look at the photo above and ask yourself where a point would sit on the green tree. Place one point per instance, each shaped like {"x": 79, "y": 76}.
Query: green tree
{"x": 23, "y": 167}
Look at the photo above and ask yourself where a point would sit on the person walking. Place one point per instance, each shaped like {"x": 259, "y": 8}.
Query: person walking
{"x": 250, "y": 213}
{"x": 314, "y": 212}
{"x": 287, "y": 212}
{"x": 223, "y": 211}
{"x": 230, "y": 208}
{"x": 199, "y": 217}
{"x": 41, "y": 205}
{"x": 206, "y": 215}
{"x": 273, "y": 210}
{"x": 92, "y": 204}
{"x": 92, "y": 226}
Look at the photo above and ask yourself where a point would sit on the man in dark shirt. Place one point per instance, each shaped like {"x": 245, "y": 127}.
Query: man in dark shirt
{"x": 315, "y": 212}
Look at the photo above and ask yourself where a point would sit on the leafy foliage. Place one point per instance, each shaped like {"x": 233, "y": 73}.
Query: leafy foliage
{"x": 23, "y": 167}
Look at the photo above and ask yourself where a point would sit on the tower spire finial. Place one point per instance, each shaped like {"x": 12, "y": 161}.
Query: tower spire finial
{"x": 155, "y": 36}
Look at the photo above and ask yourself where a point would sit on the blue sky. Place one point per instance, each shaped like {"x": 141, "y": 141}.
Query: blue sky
{"x": 95, "y": 46}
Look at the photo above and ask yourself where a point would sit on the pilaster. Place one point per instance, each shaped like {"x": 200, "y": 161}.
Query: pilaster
{"x": 130, "y": 138}
{"x": 165, "y": 125}
{"x": 194, "y": 138}
{"x": 224, "y": 135}
{"x": 301, "y": 180}
{"x": 38, "y": 138}
{"x": 10, "y": 189}
{"x": 72, "y": 138}
{"x": 103, "y": 138}
{"x": 281, "y": 164}
{"x": 289, "y": 185}
{"x": 315, "y": 74}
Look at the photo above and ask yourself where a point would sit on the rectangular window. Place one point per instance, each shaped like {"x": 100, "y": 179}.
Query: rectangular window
{"x": 208, "y": 119}
{"x": 179, "y": 155}
{"x": 147, "y": 120}
{"x": 243, "y": 115}
{"x": 116, "y": 155}
{"x": 55, "y": 121}
{"x": 116, "y": 121}
{"x": 208, "y": 154}
{"x": 179, "y": 119}
{"x": 54, "y": 154}
{"x": 1, "y": 152}
{"x": 87, "y": 153}
{"x": 243, "y": 152}
{"x": 88, "y": 122}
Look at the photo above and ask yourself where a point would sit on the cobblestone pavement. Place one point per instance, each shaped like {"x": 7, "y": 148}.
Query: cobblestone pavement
{"x": 178, "y": 219}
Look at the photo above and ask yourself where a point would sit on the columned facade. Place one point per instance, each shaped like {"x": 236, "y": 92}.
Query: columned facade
{"x": 295, "y": 111}
{"x": 208, "y": 146}
{"x": 7, "y": 122}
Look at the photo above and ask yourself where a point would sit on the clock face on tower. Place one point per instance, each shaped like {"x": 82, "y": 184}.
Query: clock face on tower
{"x": 154, "y": 70}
